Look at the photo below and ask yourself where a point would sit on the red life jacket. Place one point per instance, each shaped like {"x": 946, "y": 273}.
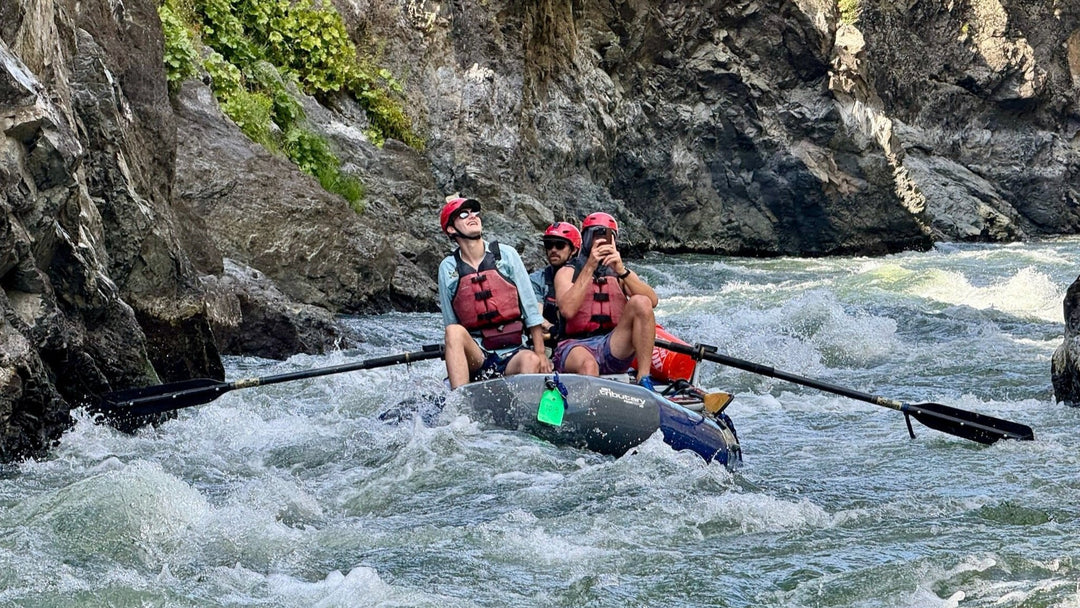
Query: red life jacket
{"x": 602, "y": 307}
{"x": 486, "y": 302}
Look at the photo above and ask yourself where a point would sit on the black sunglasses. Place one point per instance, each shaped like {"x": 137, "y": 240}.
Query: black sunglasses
{"x": 466, "y": 213}
{"x": 558, "y": 244}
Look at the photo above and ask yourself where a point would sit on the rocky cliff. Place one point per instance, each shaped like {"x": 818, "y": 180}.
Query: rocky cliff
{"x": 752, "y": 127}
{"x": 143, "y": 234}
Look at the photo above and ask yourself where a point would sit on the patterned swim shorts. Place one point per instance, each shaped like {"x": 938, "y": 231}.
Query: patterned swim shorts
{"x": 600, "y": 347}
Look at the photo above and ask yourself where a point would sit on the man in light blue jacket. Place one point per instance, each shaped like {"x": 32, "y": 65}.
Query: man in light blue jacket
{"x": 487, "y": 303}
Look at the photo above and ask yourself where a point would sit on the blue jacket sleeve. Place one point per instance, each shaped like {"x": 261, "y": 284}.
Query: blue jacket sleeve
{"x": 447, "y": 288}
{"x": 539, "y": 288}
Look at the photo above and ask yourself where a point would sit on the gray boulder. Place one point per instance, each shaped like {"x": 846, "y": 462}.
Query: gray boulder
{"x": 1065, "y": 364}
{"x": 260, "y": 210}
{"x": 253, "y": 317}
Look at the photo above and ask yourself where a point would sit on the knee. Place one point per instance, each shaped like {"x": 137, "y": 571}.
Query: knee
{"x": 588, "y": 366}
{"x": 530, "y": 362}
{"x": 640, "y": 305}
{"x": 455, "y": 335}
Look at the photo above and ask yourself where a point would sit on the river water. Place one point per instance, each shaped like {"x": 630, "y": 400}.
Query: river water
{"x": 297, "y": 495}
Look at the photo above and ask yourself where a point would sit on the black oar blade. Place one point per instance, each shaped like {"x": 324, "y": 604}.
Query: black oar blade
{"x": 158, "y": 389}
{"x": 151, "y": 400}
{"x": 131, "y": 408}
{"x": 968, "y": 425}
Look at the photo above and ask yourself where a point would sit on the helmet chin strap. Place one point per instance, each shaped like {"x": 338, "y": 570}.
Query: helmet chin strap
{"x": 458, "y": 235}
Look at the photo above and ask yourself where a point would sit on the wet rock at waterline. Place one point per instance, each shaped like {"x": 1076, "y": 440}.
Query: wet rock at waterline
{"x": 1065, "y": 365}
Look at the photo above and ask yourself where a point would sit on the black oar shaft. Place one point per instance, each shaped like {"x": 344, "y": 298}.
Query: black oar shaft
{"x": 961, "y": 423}
{"x": 704, "y": 352}
{"x": 167, "y": 397}
{"x": 339, "y": 369}
{"x": 771, "y": 372}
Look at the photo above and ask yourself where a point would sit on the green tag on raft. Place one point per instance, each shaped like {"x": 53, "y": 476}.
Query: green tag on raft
{"x": 552, "y": 407}
{"x": 552, "y": 402}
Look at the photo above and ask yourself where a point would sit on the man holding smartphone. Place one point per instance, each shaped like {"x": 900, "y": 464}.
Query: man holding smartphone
{"x": 608, "y": 308}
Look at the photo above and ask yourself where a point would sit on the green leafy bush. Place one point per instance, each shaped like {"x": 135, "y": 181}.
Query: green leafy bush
{"x": 309, "y": 45}
{"x": 850, "y": 10}
{"x": 181, "y": 59}
{"x": 258, "y": 49}
{"x": 312, "y": 154}
{"x": 253, "y": 113}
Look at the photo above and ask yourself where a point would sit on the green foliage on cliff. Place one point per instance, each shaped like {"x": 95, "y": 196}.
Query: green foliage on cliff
{"x": 850, "y": 10}
{"x": 257, "y": 50}
{"x": 308, "y": 42}
{"x": 181, "y": 58}
{"x": 310, "y": 153}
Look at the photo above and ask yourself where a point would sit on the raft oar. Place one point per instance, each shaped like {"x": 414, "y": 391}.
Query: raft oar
{"x": 150, "y": 400}
{"x": 961, "y": 423}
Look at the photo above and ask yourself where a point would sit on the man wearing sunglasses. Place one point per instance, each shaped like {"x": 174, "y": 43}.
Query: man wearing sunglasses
{"x": 486, "y": 302}
{"x": 608, "y": 308}
{"x": 561, "y": 241}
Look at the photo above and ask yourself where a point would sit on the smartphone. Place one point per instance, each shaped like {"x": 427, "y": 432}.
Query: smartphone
{"x": 603, "y": 235}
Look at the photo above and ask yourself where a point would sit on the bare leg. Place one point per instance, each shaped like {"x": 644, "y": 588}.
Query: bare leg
{"x": 580, "y": 360}
{"x": 463, "y": 355}
{"x": 524, "y": 361}
{"x": 636, "y": 334}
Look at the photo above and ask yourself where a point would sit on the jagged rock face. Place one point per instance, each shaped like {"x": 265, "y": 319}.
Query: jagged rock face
{"x": 739, "y": 127}
{"x": 260, "y": 210}
{"x": 87, "y": 249}
{"x": 62, "y": 315}
{"x": 745, "y": 151}
{"x": 749, "y": 127}
{"x": 1065, "y": 364}
{"x": 986, "y": 101}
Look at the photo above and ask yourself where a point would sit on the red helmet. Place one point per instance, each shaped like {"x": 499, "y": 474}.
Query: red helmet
{"x": 600, "y": 219}
{"x": 564, "y": 230}
{"x": 452, "y": 206}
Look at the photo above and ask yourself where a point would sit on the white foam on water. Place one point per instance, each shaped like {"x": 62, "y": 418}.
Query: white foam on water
{"x": 1028, "y": 293}
{"x": 279, "y": 498}
{"x": 762, "y": 513}
{"x": 983, "y": 585}
{"x": 518, "y": 536}
{"x": 238, "y": 533}
{"x": 1011, "y": 253}
{"x": 361, "y": 586}
{"x": 677, "y": 305}
{"x": 843, "y": 337}
{"x": 135, "y": 514}
{"x": 927, "y": 598}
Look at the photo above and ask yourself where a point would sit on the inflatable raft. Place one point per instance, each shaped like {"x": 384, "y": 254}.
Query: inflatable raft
{"x": 602, "y": 415}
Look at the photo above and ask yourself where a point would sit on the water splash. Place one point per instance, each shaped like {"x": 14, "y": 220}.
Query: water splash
{"x": 1028, "y": 293}
{"x": 297, "y": 495}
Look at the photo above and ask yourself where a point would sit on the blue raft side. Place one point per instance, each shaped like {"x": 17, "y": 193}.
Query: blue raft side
{"x": 687, "y": 430}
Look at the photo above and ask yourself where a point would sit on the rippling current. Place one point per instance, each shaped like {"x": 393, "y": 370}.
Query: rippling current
{"x": 296, "y": 494}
